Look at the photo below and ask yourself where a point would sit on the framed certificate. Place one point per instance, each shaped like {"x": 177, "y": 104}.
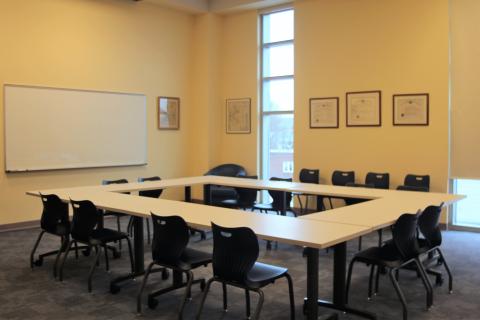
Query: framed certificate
{"x": 238, "y": 115}
{"x": 364, "y": 109}
{"x": 168, "y": 113}
{"x": 324, "y": 112}
{"x": 410, "y": 109}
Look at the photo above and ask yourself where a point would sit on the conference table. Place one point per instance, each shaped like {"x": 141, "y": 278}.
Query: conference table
{"x": 321, "y": 230}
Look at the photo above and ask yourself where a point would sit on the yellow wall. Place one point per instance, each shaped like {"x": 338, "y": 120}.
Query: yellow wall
{"x": 340, "y": 46}
{"x": 238, "y": 79}
{"x": 392, "y": 46}
{"x": 106, "y": 45}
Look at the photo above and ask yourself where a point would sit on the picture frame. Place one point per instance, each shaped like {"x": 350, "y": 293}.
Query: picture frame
{"x": 324, "y": 113}
{"x": 238, "y": 115}
{"x": 168, "y": 113}
{"x": 364, "y": 109}
{"x": 411, "y": 109}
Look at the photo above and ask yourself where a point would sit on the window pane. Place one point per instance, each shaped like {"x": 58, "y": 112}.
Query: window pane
{"x": 278, "y": 146}
{"x": 278, "y": 26}
{"x": 466, "y": 210}
{"x": 278, "y": 95}
{"x": 278, "y": 61}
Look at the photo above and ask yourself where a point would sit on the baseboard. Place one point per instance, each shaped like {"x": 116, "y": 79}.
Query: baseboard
{"x": 19, "y": 226}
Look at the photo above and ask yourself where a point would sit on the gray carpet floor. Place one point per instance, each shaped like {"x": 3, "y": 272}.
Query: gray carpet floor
{"x": 28, "y": 294}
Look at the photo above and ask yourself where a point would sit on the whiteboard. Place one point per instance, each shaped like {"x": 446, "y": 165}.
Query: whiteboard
{"x": 52, "y": 128}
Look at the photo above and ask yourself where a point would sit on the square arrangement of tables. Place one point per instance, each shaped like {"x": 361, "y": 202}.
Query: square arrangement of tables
{"x": 332, "y": 228}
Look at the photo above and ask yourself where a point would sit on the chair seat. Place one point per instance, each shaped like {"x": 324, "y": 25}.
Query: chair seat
{"x": 233, "y": 203}
{"x": 194, "y": 258}
{"x": 267, "y": 206}
{"x": 59, "y": 229}
{"x": 104, "y": 235}
{"x": 386, "y": 255}
{"x": 113, "y": 213}
{"x": 263, "y": 274}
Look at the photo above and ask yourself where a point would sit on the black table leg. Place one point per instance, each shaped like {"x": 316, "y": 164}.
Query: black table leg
{"x": 188, "y": 194}
{"x": 310, "y": 303}
{"x": 339, "y": 284}
{"x": 284, "y": 203}
{"x": 188, "y": 198}
{"x": 139, "y": 264}
{"x": 207, "y": 195}
{"x": 320, "y": 205}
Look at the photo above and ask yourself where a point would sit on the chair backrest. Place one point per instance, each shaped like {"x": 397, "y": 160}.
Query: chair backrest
{"x": 235, "y": 251}
{"x": 428, "y": 224}
{"x": 404, "y": 234}
{"x": 379, "y": 180}
{"x": 414, "y": 180}
{"x": 118, "y": 181}
{"x": 341, "y": 178}
{"x": 247, "y": 196}
{"x": 150, "y": 193}
{"x": 170, "y": 238}
{"x": 277, "y": 196}
{"x": 54, "y": 213}
{"x": 227, "y": 170}
{"x": 309, "y": 176}
{"x": 85, "y": 219}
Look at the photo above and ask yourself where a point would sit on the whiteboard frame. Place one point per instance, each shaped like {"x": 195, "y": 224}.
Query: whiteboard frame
{"x": 5, "y": 85}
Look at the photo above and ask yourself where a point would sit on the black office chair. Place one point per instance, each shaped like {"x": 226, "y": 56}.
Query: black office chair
{"x": 431, "y": 240}
{"x": 118, "y": 215}
{"x": 402, "y": 251}
{"x": 277, "y": 204}
{"x": 246, "y": 197}
{"x": 220, "y": 193}
{"x": 150, "y": 194}
{"x": 85, "y": 229}
{"x": 341, "y": 178}
{"x": 415, "y": 182}
{"x": 307, "y": 176}
{"x": 169, "y": 250}
{"x": 54, "y": 221}
{"x": 379, "y": 180}
{"x": 235, "y": 252}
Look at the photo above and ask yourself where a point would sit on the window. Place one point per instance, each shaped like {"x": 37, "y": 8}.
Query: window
{"x": 466, "y": 211}
{"x": 277, "y": 94}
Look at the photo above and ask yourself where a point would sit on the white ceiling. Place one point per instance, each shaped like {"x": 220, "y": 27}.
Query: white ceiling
{"x": 217, "y": 6}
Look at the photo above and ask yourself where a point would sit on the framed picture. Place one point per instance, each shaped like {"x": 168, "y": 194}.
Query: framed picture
{"x": 238, "y": 115}
{"x": 364, "y": 109}
{"x": 410, "y": 109}
{"x": 168, "y": 113}
{"x": 324, "y": 112}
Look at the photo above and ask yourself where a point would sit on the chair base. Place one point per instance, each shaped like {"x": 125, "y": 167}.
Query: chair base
{"x": 344, "y": 308}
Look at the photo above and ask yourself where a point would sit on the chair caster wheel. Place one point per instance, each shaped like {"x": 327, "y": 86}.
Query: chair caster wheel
{"x": 202, "y": 285}
{"x": 86, "y": 253}
{"x": 369, "y": 298}
{"x": 38, "y": 262}
{"x": 165, "y": 274}
{"x": 116, "y": 254}
{"x": 152, "y": 302}
{"x": 114, "y": 289}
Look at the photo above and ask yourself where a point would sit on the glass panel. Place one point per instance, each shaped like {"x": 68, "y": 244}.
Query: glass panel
{"x": 466, "y": 211}
{"x": 278, "y": 60}
{"x": 278, "y": 95}
{"x": 278, "y": 146}
{"x": 278, "y": 26}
